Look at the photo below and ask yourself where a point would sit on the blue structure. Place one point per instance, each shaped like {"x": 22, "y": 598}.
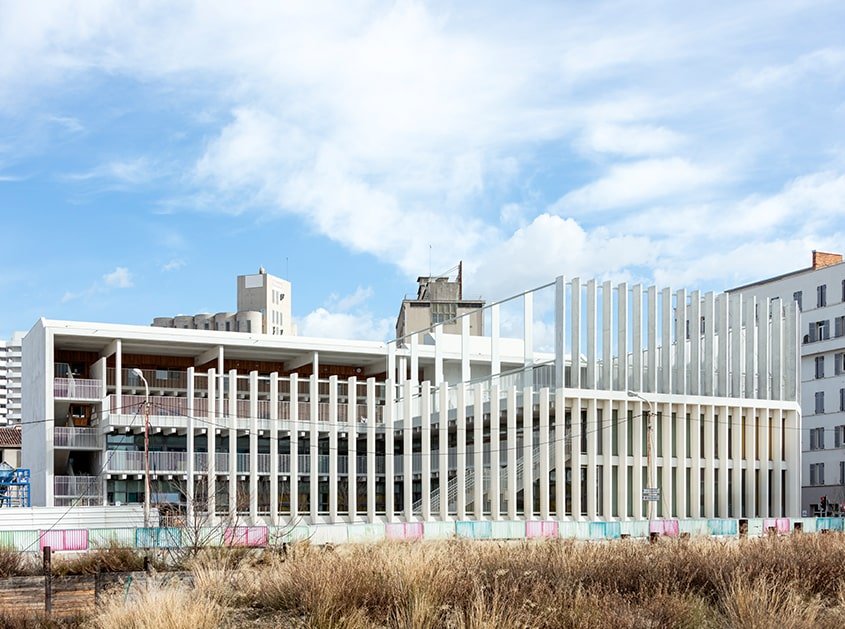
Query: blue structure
{"x": 14, "y": 487}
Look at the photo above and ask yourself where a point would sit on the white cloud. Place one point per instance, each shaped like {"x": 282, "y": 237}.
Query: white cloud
{"x": 133, "y": 171}
{"x": 635, "y": 183}
{"x": 348, "y": 302}
{"x": 826, "y": 63}
{"x": 344, "y": 325}
{"x": 173, "y": 265}
{"x": 633, "y": 140}
{"x": 119, "y": 278}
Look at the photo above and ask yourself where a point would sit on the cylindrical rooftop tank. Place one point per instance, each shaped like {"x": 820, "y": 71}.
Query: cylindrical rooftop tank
{"x": 249, "y": 321}
{"x": 163, "y": 322}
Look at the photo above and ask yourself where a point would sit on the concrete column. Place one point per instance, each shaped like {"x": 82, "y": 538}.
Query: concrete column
{"x": 651, "y": 332}
{"x": 545, "y": 442}
{"x": 495, "y": 364}
{"x": 723, "y": 421}
{"x": 560, "y": 452}
{"x": 666, "y": 496}
{"x": 333, "y": 453}
{"x": 575, "y": 334}
{"x": 438, "y": 354}
{"x": 461, "y": 470}
{"x": 681, "y": 460}
{"x": 708, "y": 377}
{"x": 478, "y": 452}
{"x": 212, "y": 445}
{"x": 391, "y": 360}
{"x": 636, "y": 381}
{"x": 495, "y": 454}
{"x": 750, "y": 496}
{"x": 622, "y": 469}
{"x": 792, "y": 423}
{"x": 607, "y": 459}
{"x": 695, "y": 459}
{"x": 750, "y": 363}
{"x": 736, "y": 460}
{"x": 560, "y": 331}
{"x": 736, "y": 351}
{"x": 274, "y": 448}
{"x": 622, "y": 373}
{"x": 638, "y": 453}
{"x": 592, "y": 458}
{"x": 606, "y": 338}
{"x": 407, "y": 450}
{"x": 763, "y": 339}
{"x": 575, "y": 457}
{"x": 777, "y": 463}
{"x": 189, "y": 437}
{"x": 352, "y": 442}
{"x": 118, "y": 376}
{"x": 425, "y": 448}
{"x": 764, "y": 459}
{"x": 443, "y": 450}
{"x": 710, "y": 421}
{"x": 314, "y": 444}
{"x": 665, "y": 384}
{"x": 776, "y": 353}
{"x": 724, "y": 357}
{"x": 466, "y": 373}
{"x": 371, "y": 450}
{"x": 680, "y": 372}
{"x": 253, "y": 446}
{"x": 389, "y": 473}
{"x": 233, "y": 442}
{"x": 592, "y": 357}
{"x": 511, "y": 453}
{"x": 294, "y": 447}
{"x": 415, "y": 359}
{"x": 695, "y": 343}
{"x": 528, "y": 453}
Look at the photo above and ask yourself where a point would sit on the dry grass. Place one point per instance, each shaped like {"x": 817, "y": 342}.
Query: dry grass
{"x": 159, "y": 607}
{"x": 786, "y": 583}
{"x": 110, "y": 558}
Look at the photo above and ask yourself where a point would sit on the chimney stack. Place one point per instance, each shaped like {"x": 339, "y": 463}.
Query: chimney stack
{"x": 822, "y": 259}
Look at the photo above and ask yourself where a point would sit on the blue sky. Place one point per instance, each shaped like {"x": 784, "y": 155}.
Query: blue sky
{"x": 151, "y": 152}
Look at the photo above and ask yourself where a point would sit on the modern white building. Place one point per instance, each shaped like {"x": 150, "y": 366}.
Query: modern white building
{"x": 264, "y": 307}
{"x": 443, "y": 427}
{"x": 10, "y": 379}
{"x": 819, "y": 291}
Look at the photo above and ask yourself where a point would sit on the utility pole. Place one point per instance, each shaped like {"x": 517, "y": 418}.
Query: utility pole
{"x": 652, "y": 494}
{"x": 140, "y": 374}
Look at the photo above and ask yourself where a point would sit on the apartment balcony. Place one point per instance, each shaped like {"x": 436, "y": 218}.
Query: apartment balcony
{"x": 74, "y": 438}
{"x": 132, "y": 461}
{"x": 77, "y": 389}
{"x": 78, "y": 487}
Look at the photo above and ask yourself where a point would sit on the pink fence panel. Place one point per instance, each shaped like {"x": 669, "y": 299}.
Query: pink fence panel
{"x": 73, "y": 539}
{"x": 404, "y": 530}
{"x": 541, "y": 529}
{"x": 780, "y": 525}
{"x": 246, "y": 536}
{"x": 668, "y": 528}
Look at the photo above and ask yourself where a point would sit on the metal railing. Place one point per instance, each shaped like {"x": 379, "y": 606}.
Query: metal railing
{"x": 72, "y": 437}
{"x": 77, "y": 486}
{"x": 133, "y": 461}
{"x": 77, "y": 389}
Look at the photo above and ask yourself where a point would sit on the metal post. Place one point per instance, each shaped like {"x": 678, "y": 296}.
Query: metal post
{"x": 48, "y": 580}
{"x": 140, "y": 374}
{"x": 651, "y": 463}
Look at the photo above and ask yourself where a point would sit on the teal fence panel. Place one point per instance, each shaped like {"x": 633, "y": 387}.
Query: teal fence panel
{"x": 369, "y": 532}
{"x": 507, "y": 529}
{"x": 722, "y": 528}
{"x": 613, "y": 530}
{"x": 598, "y": 530}
{"x": 289, "y": 534}
{"x": 474, "y": 530}
{"x": 158, "y": 538}
{"x": 693, "y": 527}
{"x": 634, "y": 528}
{"x": 100, "y": 538}
{"x": 439, "y": 530}
{"x": 20, "y": 540}
{"x": 829, "y": 524}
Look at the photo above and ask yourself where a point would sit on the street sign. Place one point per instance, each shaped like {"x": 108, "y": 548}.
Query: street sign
{"x": 651, "y": 494}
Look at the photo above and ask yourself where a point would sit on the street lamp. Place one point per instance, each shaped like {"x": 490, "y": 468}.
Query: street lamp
{"x": 650, "y": 462}
{"x": 140, "y": 374}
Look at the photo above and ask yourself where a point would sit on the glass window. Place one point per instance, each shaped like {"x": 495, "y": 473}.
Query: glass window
{"x": 819, "y": 402}
{"x": 821, "y": 296}
{"x": 819, "y": 367}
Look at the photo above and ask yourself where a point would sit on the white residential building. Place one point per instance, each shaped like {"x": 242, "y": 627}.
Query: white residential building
{"x": 10, "y": 379}
{"x": 264, "y": 307}
{"x": 819, "y": 291}
{"x": 443, "y": 427}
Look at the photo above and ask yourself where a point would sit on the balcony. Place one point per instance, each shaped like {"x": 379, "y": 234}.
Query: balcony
{"x": 77, "y": 389}
{"x": 133, "y": 461}
{"x": 78, "y": 487}
{"x": 76, "y": 438}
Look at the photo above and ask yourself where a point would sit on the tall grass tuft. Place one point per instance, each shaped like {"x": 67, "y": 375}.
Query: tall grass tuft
{"x": 159, "y": 607}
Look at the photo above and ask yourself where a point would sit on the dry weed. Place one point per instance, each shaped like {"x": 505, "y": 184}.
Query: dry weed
{"x": 159, "y": 607}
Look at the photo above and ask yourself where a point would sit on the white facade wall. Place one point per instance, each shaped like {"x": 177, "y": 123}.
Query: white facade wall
{"x": 10, "y": 379}
{"x": 823, "y": 436}
{"x": 478, "y": 439}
